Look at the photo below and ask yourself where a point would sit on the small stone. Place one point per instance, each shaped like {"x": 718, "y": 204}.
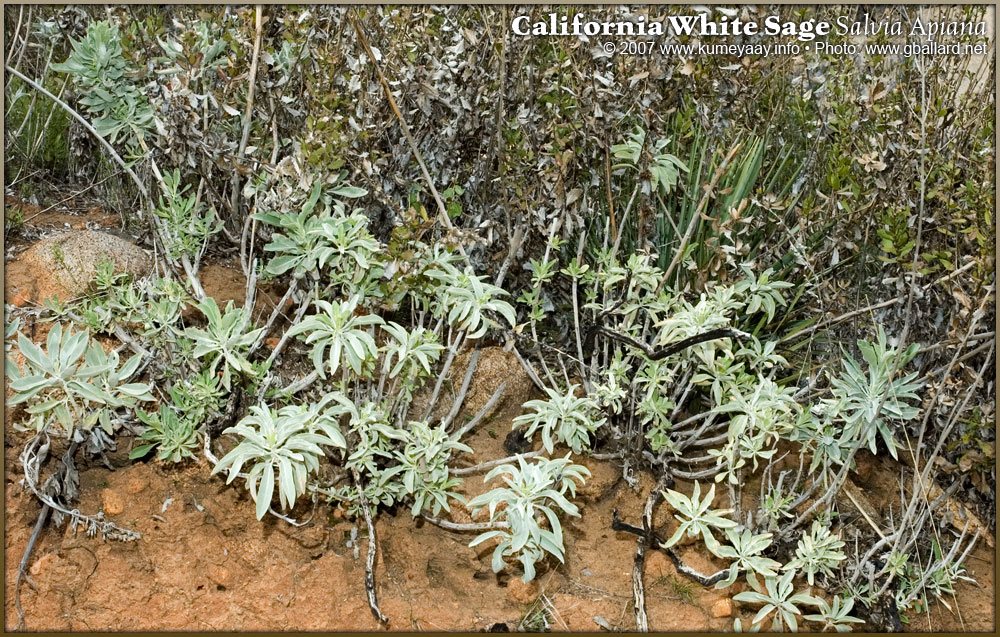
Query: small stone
{"x": 521, "y": 592}
{"x": 112, "y": 502}
{"x": 220, "y": 576}
{"x": 20, "y": 300}
{"x": 722, "y": 608}
{"x": 272, "y": 343}
{"x": 135, "y": 485}
{"x": 602, "y": 480}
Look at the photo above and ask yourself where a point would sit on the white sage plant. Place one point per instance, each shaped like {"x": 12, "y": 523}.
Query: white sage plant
{"x": 534, "y": 493}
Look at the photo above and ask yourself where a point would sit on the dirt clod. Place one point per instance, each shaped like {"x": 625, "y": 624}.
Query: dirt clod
{"x": 658, "y": 565}
{"x": 112, "y": 502}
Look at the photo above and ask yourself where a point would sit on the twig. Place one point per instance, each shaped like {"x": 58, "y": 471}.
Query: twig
{"x": 274, "y": 315}
{"x": 463, "y": 390}
{"x": 297, "y": 386}
{"x": 235, "y": 182}
{"x": 444, "y": 370}
{"x": 576, "y": 309}
{"x": 372, "y": 549}
{"x": 299, "y": 313}
{"x": 482, "y": 412}
{"x": 679, "y": 564}
{"x": 639, "y": 561}
{"x": 495, "y": 463}
{"x": 43, "y": 516}
{"x": 528, "y": 369}
{"x": 465, "y": 526}
{"x": 673, "y": 348}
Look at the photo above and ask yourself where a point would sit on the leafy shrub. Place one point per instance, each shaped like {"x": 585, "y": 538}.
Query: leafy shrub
{"x": 336, "y": 328}
{"x": 532, "y": 490}
{"x": 745, "y": 550}
{"x": 817, "y": 552}
{"x": 282, "y": 447}
{"x": 778, "y": 596}
{"x": 562, "y": 418}
{"x": 173, "y": 436}
{"x": 226, "y": 339}
{"x": 465, "y": 297}
{"x": 695, "y": 519}
{"x": 74, "y": 383}
{"x": 117, "y": 106}
{"x": 424, "y": 467}
{"x": 865, "y": 401}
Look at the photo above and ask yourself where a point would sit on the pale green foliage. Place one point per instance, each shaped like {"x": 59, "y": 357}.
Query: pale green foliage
{"x": 410, "y": 353}
{"x": 187, "y": 224}
{"x": 654, "y": 405}
{"x": 96, "y": 64}
{"x": 464, "y": 297}
{"x": 322, "y": 237}
{"x": 919, "y": 583}
{"x": 759, "y": 419}
{"x": 761, "y": 292}
{"x": 174, "y": 436}
{"x": 282, "y": 447}
{"x": 424, "y": 462}
{"x": 531, "y": 492}
{"x": 337, "y": 329}
{"x": 374, "y": 442}
{"x": 817, "y": 552}
{"x": 745, "y": 550}
{"x": 817, "y": 432}
{"x": 611, "y": 392}
{"x": 664, "y": 168}
{"x": 778, "y": 596}
{"x": 73, "y": 383}
{"x": 563, "y": 418}
{"x": 836, "y": 616}
{"x": 226, "y": 339}
{"x": 10, "y": 328}
{"x": 695, "y": 518}
{"x": 775, "y": 507}
{"x": 858, "y": 396}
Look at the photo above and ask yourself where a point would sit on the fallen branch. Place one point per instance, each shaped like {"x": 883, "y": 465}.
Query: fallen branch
{"x": 465, "y": 526}
{"x": 463, "y": 390}
{"x": 372, "y": 549}
{"x": 682, "y": 568}
{"x": 495, "y": 463}
{"x": 23, "y": 567}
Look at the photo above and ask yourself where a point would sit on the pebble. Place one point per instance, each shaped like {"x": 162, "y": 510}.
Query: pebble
{"x": 112, "y": 502}
{"x": 722, "y": 608}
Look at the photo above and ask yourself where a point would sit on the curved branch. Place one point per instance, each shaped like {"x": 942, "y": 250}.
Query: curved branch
{"x": 114, "y": 155}
{"x": 673, "y": 348}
